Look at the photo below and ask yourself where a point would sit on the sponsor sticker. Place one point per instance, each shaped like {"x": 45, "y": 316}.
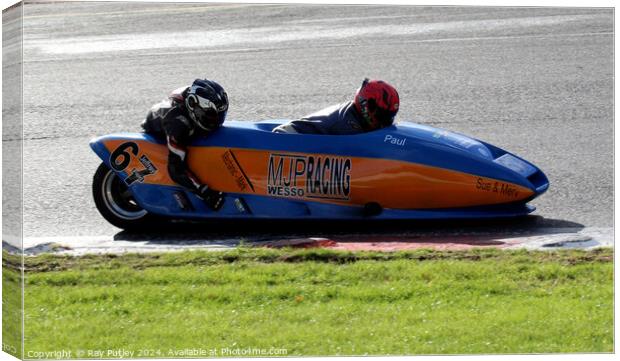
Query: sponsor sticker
{"x": 235, "y": 170}
{"x": 309, "y": 176}
{"x": 502, "y": 188}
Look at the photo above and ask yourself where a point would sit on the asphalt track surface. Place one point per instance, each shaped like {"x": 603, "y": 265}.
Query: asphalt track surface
{"x": 535, "y": 81}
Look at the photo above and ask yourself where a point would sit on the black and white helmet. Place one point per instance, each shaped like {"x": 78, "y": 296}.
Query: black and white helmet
{"x": 207, "y": 104}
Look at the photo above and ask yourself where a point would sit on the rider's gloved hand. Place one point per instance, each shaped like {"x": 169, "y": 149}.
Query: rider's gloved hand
{"x": 214, "y": 199}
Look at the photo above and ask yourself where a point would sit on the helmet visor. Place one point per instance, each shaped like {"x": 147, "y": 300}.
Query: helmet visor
{"x": 208, "y": 118}
{"x": 384, "y": 117}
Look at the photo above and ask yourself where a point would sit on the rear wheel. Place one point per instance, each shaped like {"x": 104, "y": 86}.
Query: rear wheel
{"x": 115, "y": 201}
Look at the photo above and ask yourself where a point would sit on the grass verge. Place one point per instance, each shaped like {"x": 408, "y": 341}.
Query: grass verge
{"x": 320, "y": 302}
{"x": 11, "y": 304}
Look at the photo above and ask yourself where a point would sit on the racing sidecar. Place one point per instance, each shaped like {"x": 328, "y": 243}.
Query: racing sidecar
{"x": 406, "y": 171}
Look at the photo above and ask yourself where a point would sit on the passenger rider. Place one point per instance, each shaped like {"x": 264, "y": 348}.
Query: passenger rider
{"x": 188, "y": 113}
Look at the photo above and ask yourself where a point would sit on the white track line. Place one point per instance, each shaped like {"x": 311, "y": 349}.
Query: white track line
{"x": 281, "y": 33}
{"x": 167, "y": 10}
{"x": 157, "y": 52}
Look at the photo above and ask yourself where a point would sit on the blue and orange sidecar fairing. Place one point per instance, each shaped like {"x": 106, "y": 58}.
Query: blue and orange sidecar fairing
{"x": 406, "y": 171}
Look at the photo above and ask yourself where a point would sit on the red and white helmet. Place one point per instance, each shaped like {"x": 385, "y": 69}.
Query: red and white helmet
{"x": 377, "y": 102}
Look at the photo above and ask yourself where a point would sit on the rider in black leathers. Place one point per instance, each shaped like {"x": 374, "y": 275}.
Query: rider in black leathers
{"x": 188, "y": 113}
{"x": 374, "y": 107}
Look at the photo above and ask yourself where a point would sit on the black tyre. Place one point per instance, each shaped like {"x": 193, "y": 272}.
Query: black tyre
{"x": 115, "y": 202}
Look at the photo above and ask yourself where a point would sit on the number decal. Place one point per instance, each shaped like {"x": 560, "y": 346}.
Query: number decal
{"x": 138, "y": 175}
{"x": 125, "y": 151}
{"x": 121, "y": 151}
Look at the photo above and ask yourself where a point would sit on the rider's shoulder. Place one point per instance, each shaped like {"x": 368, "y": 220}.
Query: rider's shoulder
{"x": 179, "y": 94}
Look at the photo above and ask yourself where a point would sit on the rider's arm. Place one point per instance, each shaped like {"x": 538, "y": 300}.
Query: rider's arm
{"x": 337, "y": 119}
{"x": 178, "y": 135}
{"x": 177, "y": 165}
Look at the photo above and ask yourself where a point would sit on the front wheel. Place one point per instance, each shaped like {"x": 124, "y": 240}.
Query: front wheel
{"x": 115, "y": 201}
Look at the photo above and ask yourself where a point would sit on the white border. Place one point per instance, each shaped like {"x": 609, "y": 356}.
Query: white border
{"x": 525, "y": 3}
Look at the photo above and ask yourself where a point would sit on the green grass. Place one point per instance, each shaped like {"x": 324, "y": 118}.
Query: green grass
{"x": 11, "y": 305}
{"x": 320, "y": 302}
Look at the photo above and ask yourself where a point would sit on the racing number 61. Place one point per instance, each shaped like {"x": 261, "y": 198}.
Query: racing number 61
{"x": 125, "y": 152}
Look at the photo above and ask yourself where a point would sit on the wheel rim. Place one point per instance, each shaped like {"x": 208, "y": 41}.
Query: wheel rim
{"x": 119, "y": 199}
